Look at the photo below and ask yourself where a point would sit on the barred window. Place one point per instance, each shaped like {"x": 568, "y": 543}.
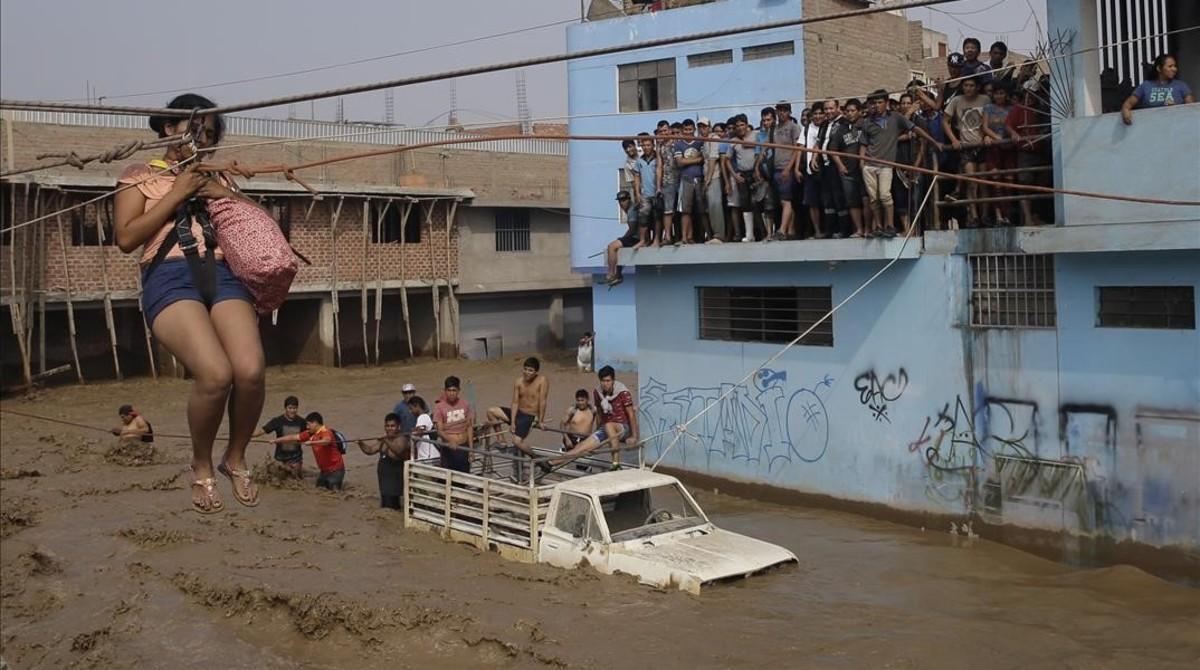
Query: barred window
{"x": 1012, "y": 291}
{"x": 1168, "y": 307}
{"x": 512, "y": 229}
{"x": 721, "y": 57}
{"x": 773, "y": 50}
{"x": 765, "y": 314}
{"x": 645, "y": 87}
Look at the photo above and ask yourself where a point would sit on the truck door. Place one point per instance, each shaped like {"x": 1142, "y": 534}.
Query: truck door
{"x": 573, "y": 535}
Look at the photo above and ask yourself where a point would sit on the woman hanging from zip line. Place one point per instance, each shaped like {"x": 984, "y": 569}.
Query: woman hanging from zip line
{"x": 195, "y": 306}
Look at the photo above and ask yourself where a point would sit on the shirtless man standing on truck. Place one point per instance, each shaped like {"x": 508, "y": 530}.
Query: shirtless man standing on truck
{"x": 530, "y": 392}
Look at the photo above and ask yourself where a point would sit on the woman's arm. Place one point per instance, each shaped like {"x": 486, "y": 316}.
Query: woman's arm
{"x": 135, "y": 225}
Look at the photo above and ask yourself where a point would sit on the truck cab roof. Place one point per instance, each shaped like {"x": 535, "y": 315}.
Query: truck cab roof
{"x": 620, "y": 481}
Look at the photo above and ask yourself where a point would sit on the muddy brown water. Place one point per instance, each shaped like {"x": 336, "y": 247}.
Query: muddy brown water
{"x": 102, "y": 565}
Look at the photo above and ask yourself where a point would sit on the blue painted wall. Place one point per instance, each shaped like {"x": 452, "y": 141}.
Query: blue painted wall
{"x": 615, "y": 320}
{"x": 717, "y": 91}
{"x": 1078, "y": 428}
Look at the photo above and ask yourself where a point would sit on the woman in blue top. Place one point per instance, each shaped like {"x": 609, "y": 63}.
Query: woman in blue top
{"x": 1162, "y": 91}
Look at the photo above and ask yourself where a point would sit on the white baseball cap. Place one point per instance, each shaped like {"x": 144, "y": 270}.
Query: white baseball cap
{"x": 407, "y": 387}
{"x": 703, "y": 121}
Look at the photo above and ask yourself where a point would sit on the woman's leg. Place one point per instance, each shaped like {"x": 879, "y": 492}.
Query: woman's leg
{"x": 236, "y": 326}
{"x": 185, "y": 329}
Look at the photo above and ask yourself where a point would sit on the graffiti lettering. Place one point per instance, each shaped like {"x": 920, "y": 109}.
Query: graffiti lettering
{"x": 762, "y": 425}
{"x": 876, "y": 393}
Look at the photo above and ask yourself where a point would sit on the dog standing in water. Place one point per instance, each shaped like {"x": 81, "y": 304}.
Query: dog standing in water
{"x": 583, "y": 355}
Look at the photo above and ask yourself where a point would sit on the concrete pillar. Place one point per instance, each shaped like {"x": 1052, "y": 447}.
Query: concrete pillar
{"x": 1076, "y": 18}
{"x": 447, "y": 308}
{"x": 556, "y": 319}
{"x": 326, "y": 350}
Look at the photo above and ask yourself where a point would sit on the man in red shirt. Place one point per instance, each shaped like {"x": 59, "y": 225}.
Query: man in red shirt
{"x": 616, "y": 419}
{"x": 325, "y": 450}
{"x": 455, "y": 426}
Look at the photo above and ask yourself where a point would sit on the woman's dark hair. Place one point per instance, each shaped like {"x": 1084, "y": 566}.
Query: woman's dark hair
{"x": 1161, "y": 60}
{"x": 418, "y": 401}
{"x": 189, "y": 101}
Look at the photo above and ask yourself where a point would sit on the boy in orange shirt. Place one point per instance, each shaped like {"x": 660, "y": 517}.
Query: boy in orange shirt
{"x": 325, "y": 450}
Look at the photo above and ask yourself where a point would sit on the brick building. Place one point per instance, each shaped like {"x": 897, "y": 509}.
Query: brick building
{"x": 404, "y": 248}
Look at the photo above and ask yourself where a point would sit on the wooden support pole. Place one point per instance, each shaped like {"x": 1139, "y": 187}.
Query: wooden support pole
{"x": 14, "y": 303}
{"x": 62, "y": 248}
{"x": 39, "y": 270}
{"x": 404, "y": 278}
{"x": 362, "y": 285}
{"x": 137, "y": 276}
{"x": 28, "y": 252}
{"x": 452, "y": 209}
{"x": 108, "y": 310}
{"x": 433, "y": 284}
{"x": 379, "y": 275}
{"x": 333, "y": 287}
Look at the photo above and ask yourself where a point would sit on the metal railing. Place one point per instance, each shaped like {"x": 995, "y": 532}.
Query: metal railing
{"x": 304, "y": 129}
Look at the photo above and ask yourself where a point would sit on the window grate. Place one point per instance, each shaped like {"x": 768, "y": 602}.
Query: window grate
{"x": 512, "y": 230}
{"x": 706, "y": 59}
{"x": 773, "y": 50}
{"x": 765, "y": 314}
{"x": 1163, "y": 307}
{"x": 387, "y": 227}
{"x": 1012, "y": 291}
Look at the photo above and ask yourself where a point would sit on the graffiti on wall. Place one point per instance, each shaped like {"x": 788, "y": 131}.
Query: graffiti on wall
{"x": 763, "y": 425}
{"x": 875, "y": 392}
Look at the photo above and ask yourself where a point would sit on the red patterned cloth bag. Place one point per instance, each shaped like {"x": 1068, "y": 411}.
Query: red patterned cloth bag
{"x": 255, "y": 250}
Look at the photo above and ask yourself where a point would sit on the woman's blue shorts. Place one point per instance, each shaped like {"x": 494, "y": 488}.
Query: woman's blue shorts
{"x": 171, "y": 282}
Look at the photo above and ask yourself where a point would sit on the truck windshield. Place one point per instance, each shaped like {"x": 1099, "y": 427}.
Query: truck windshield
{"x": 653, "y": 511}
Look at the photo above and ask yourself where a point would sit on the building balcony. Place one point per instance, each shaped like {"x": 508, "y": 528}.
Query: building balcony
{"x": 1158, "y": 156}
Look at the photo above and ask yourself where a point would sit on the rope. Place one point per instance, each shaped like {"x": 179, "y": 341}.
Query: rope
{"x": 481, "y": 69}
{"x": 289, "y": 170}
{"x": 117, "y": 153}
{"x": 681, "y": 429}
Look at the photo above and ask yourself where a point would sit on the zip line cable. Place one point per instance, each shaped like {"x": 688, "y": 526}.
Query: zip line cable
{"x": 479, "y": 69}
{"x": 332, "y": 66}
{"x": 378, "y": 131}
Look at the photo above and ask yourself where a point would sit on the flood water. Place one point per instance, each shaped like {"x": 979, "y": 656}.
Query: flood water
{"x": 102, "y": 565}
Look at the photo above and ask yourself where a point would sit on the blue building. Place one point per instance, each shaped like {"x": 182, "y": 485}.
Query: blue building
{"x": 715, "y": 78}
{"x": 1036, "y": 383}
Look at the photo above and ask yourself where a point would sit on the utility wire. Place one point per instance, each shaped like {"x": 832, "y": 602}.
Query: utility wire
{"x": 464, "y": 72}
{"x": 332, "y": 66}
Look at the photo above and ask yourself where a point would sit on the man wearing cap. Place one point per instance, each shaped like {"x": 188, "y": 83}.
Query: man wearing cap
{"x": 629, "y": 239}
{"x": 408, "y": 420}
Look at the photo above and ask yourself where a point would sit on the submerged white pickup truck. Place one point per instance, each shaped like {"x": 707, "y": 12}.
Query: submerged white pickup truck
{"x": 633, "y": 521}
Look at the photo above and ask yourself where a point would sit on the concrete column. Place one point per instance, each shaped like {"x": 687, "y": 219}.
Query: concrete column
{"x": 327, "y": 353}
{"x": 449, "y": 334}
{"x": 1078, "y": 19}
{"x": 556, "y": 319}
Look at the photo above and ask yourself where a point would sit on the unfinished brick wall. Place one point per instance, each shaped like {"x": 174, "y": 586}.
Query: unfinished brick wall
{"x": 422, "y": 261}
{"x": 492, "y": 176}
{"x": 507, "y": 178}
{"x": 852, "y": 57}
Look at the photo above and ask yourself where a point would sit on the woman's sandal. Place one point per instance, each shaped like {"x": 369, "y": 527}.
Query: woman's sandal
{"x": 208, "y": 502}
{"x": 248, "y": 494}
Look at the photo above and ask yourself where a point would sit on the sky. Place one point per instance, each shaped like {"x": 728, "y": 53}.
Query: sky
{"x": 65, "y": 49}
